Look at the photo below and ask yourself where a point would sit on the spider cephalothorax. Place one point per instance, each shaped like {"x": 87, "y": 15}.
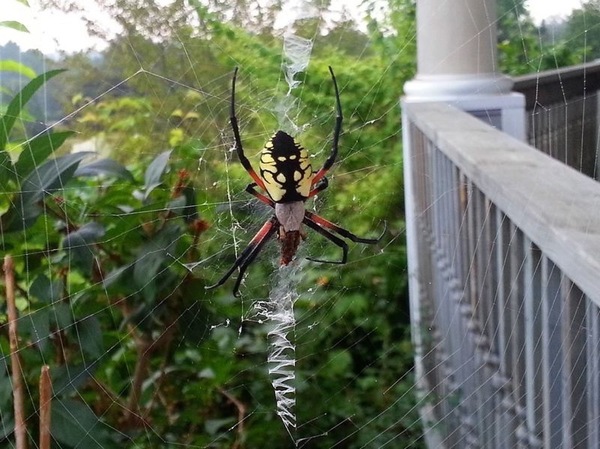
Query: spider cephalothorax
{"x": 287, "y": 180}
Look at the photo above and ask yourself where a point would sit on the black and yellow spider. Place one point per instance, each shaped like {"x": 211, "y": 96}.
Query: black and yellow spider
{"x": 288, "y": 180}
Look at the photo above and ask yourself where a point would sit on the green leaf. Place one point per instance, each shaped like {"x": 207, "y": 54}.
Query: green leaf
{"x": 14, "y": 25}
{"x": 194, "y": 321}
{"x": 18, "y": 103}
{"x": 10, "y": 65}
{"x": 105, "y": 167}
{"x": 7, "y": 422}
{"x": 46, "y": 290}
{"x": 214, "y": 426}
{"x": 79, "y": 245}
{"x": 154, "y": 172}
{"x": 49, "y": 177}
{"x": 6, "y": 393}
{"x": 62, "y": 315}
{"x": 153, "y": 253}
{"x": 8, "y": 425}
{"x": 37, "y": 326}
{"x": 75, "y": 424}
{"x": 115, "y": 275}
{"x": 185, "y": 205}
{"x": 89, "y": 336}
{"x": 6, "y": 91}
{"x": 339, "y": 363}
{"x": 7, "y": 171}
{"x": 69, "y": 378}
{"x": 38, "y": 149}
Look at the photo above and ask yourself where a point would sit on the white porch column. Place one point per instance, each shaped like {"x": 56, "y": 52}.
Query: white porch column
{"x": 456, "y": 63}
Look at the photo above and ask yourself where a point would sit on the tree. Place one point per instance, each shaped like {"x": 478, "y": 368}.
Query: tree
{"x": 583, "y": 31}
{"x": 525, "y": 48}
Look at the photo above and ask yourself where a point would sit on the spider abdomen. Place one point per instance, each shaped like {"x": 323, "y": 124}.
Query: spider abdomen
{"x": 285, "y": 169}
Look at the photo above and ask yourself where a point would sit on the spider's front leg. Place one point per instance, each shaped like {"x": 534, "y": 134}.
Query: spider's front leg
{"x": 336, "y": 133}
{"x": 238, "y": 139}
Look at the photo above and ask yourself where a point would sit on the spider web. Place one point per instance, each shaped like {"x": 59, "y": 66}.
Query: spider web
{"x": 145, "y": 367}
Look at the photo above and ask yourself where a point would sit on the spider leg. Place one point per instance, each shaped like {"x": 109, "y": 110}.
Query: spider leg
{"x": 238, "y": 140}
{"x": 250, "y": 188}
{"x": 321, "y": 185}
{"x": 323, "y": 223}
{"x": 336, "y": 134}
{"x": 329, "y": 236}
{"x": 249, "y": 254}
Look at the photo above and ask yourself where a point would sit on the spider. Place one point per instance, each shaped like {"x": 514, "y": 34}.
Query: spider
{"x": 287, "y": 178}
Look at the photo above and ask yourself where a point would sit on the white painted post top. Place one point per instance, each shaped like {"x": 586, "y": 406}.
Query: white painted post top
{"x": 456, "y": 56}
{"x": 456, "y": 50}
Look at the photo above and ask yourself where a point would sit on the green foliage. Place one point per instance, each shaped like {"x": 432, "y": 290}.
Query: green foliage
{"x": 96, "y": 235}
{"x": 14, "y": 25}
{"x": 28, "y": 179}
{"x": 31, "y": 183}
{"x": 525, "y": 48}
{"x": 18, "y": 68}
{"x": 519, "y": 48}
{"x": 582, "y": 35}
{"x": 7, "y": 65}
{"x": 104, "y": 247}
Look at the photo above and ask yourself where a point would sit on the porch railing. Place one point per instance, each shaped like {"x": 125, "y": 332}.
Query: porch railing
{"x": 504, "y": 268}
{"x": 562, "y": 111}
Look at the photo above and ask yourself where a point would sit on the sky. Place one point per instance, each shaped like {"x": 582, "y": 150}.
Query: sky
{"x": 542, "y": 9}
{"x": 51, "y": 31}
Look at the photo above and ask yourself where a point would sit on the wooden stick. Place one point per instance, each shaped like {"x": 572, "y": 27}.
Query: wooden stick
{"x": 45, "y": 407}
{"x": 241, "y": 408}
{"x": 17, "y": 379}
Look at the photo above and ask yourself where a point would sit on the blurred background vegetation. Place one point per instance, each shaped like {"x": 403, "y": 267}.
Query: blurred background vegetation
{"x": 105, "y": 249}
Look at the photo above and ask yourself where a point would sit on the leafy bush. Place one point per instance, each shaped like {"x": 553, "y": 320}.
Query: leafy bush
{"x": 108, "y": 299}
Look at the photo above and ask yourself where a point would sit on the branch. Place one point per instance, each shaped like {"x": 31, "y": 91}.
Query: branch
{"x": 17, "y": 379}
{"x": 132, "y": 415}
{"x": 241, "y": 409}
{"x": 107, "y": 398}
{"x": 45, "y": 407}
